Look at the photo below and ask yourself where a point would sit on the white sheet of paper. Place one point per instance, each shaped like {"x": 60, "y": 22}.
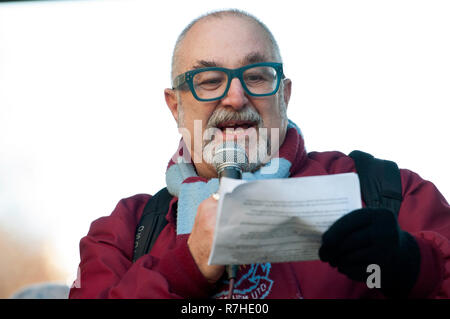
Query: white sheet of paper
{"x": 279, "y": 220}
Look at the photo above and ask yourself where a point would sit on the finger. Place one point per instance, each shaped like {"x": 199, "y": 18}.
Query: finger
{"x": 209, "y": 202}
{"x": 354, "y": 241}
{"x": 363, "y": 257}
{"x": 355, "y": 265}
{"x": 207, "y": 207}
{"x": 354, "y": 272}
{"x": 346, "y": 225}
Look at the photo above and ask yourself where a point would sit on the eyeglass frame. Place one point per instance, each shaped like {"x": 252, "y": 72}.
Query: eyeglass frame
{"x": 231, "y": 73}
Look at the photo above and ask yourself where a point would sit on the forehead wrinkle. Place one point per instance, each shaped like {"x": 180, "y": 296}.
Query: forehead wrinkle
{"x": 205, "y": 64}
{"x": 253, "y": 57}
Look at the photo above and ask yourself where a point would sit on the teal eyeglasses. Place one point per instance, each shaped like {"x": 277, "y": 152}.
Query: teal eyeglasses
{"x": 210, "y": 84}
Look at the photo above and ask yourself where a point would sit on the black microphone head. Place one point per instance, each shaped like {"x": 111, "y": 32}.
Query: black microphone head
{"x": 230, "y": 159}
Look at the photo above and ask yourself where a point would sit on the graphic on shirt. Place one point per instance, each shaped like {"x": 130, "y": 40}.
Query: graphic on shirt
{"x": 253, "y": 282}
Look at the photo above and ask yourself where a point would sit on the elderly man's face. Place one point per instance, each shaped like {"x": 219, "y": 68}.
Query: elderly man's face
{"x": 229, "y": 42}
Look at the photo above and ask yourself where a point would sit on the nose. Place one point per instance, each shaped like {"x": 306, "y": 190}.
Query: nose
{"x": 235, "y": 97}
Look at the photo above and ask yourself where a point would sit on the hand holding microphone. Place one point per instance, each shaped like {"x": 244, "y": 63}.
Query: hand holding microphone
{"x": 201, "y": 239}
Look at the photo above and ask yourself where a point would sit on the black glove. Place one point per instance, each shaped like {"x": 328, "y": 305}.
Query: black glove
{"x": 372, "y": 236}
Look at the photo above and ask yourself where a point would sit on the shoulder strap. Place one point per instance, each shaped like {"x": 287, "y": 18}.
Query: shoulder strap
{"x": 380, "y": 181}
{"x": 152, "y": 222}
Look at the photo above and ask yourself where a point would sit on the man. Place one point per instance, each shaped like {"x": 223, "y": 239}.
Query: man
{"x": 228, "y": 82}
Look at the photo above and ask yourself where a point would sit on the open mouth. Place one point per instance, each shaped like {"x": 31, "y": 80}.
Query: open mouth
{"x": 230, "y": 126}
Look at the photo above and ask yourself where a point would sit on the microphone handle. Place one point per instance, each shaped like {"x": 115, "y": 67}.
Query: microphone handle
{"x": 232, "y": 272}
{"x": 235, "y": 173}
{"x": 231, "y": 172}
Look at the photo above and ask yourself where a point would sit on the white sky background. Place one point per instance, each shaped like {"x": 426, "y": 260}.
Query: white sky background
{"x": 83, "y": 121}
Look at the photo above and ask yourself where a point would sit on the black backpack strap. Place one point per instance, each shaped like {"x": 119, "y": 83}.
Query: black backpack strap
{"x": 381, "y": 185}
{"x": 152, "y": 222}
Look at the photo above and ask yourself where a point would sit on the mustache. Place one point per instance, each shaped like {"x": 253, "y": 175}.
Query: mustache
{"x": 221, "y": 115}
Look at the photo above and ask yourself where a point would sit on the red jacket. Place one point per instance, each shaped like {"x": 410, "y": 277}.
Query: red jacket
{"x": 169, "y": 271}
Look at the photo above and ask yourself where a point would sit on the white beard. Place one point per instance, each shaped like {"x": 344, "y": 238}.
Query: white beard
{"x": 256, "y": 143}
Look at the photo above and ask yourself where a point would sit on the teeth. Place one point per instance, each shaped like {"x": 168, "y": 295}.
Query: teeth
{"x": 234, "y": 127}
{"x": 231, "y": 129}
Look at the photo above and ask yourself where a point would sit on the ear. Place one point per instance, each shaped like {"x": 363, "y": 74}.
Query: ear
{"x": 287, "y": 91}
{"x": 172, "y": 102}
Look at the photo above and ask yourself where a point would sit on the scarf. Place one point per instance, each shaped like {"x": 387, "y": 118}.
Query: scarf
{"x": 183, "y": 182}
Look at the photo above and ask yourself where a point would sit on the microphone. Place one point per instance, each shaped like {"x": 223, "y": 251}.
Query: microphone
{"x": 229, "y": 160}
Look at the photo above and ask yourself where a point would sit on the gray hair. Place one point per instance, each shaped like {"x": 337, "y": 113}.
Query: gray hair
{"x": 221, "y": 14}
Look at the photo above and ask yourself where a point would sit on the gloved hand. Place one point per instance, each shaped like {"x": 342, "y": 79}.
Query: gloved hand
{"x": 372, "y": 236}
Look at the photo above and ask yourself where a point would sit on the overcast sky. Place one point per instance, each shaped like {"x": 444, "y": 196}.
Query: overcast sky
{"x": 83, "y": 121}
